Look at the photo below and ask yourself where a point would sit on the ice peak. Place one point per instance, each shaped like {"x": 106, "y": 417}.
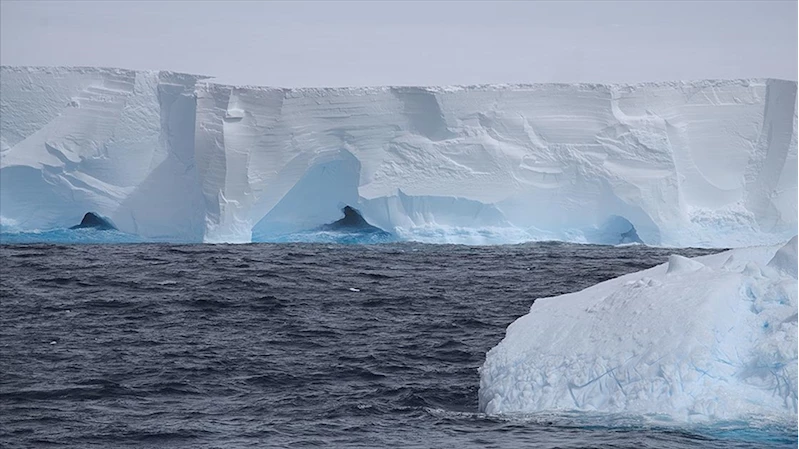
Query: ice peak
{"x": 680, "y": 264}
{"x": 785, "y": 259}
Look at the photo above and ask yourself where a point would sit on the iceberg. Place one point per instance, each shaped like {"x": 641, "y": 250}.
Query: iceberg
{"x": 692, "y": 340}
{"x": 178, "y": 157}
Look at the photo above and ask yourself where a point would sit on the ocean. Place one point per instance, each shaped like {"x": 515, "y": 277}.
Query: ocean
{"x": 295, "y": 345}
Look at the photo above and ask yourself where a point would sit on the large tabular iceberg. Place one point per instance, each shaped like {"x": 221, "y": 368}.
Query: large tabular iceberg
{"x": 168, "y": 155}
{"x": 712, "y": 338}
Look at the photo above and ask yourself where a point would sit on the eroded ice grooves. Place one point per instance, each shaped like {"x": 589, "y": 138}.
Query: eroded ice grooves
{"x": 706, "y": 163}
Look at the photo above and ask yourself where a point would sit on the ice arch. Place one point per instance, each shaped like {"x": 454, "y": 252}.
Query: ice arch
{"x": 329, "y": 184}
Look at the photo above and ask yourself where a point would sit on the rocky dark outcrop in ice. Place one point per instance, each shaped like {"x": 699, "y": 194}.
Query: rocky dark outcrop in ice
{"x": 630, "y": 236}
{"x": 92, "y": 220}
{"x": 352, "y": 222}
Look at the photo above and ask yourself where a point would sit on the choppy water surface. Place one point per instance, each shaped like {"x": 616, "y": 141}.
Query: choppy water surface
{"x": 150, "y": 345}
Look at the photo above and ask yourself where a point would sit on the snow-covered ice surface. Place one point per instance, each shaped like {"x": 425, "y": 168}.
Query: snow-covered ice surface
{"x": 693, "y": 340}
{"x": 178, "y": 157}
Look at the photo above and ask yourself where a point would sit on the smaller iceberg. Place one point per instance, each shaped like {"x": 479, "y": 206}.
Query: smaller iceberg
{"x": 689, "y": 341}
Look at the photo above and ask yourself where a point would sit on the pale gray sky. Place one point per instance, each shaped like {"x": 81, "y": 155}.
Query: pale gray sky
{"x": 410, "y": 43}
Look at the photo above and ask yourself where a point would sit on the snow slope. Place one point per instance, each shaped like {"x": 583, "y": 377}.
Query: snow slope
{"x": 714, "y": 338}
{"x": 706, "y": 163}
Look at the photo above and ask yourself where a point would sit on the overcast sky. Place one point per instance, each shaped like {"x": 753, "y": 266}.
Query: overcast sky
{"x": 410, "y": 43}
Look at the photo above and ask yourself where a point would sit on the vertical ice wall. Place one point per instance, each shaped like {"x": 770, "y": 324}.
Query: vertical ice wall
{"x": 709, "y": 163}
{"x": 113, "y": 141}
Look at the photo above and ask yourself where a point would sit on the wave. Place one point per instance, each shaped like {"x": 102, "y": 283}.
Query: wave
{"x": 11, "y": 233}
{"x": 85, "y": 235}
{"x": 491, "y": 235}
{"x": 756, "y": 431}
{"x": 346, "y": 238}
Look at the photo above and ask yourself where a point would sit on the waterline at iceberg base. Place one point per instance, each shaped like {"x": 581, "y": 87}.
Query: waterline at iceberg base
{"x": 690, "y": 341}
{"x": 176, "y": 157}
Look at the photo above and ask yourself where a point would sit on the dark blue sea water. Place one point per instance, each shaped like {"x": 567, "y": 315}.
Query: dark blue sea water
{"x": 293, "y": 345}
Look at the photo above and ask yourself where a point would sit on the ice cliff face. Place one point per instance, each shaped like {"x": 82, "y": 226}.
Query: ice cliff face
{"x": 708, "y": 163}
